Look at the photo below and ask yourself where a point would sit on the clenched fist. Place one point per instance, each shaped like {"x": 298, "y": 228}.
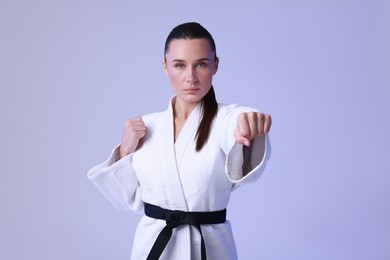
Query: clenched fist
{"x": 250, "y": 125}
{"x": 133, "y": 131}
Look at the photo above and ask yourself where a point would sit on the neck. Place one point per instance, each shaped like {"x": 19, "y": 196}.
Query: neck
{"x": 182, "y": 110}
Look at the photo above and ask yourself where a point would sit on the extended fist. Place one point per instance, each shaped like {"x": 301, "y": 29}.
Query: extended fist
{"x": 133, "y": 131}
{"x": 250, "y": 125}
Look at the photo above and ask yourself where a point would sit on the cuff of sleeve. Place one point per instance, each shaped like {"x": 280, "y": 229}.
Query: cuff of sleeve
{"x": 258, "y": 157}
{"x": 234, "y": 161}
{"x": 113, "y": 162}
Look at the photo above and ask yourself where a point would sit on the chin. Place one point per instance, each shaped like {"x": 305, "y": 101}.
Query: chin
{"x": 193, "y": 98}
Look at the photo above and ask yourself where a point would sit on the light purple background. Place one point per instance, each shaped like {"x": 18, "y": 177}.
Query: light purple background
{"x": 71, "y": 72}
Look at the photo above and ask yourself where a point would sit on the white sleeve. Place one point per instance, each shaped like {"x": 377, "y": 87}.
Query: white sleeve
{"x": 117, "y": 181}
{"x": 243, "y": 165}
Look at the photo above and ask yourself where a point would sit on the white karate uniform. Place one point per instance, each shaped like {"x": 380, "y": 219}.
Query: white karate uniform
{"x": 172, "y": 175}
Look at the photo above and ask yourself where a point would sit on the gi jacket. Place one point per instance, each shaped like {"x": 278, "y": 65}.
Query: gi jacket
{"x": 172, "y": 175}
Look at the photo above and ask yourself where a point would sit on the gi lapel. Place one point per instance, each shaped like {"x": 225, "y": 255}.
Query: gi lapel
{"x": 170, "y": 170}
{"x": 187, "y": 135}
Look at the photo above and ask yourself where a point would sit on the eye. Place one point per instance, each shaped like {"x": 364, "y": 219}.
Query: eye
{"x": 202, "y": 65}
{"x": 179, "y": 66}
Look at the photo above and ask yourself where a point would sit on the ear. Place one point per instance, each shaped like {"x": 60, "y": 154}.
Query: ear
{"x": 216, "y": 63}
{"x": 165, "y": 67}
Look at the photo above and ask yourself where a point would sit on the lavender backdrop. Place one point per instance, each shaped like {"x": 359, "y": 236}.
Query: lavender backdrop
{"x": 71, "y": 72}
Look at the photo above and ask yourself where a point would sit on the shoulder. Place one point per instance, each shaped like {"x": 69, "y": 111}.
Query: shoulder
{"x": 234, "y": 109}
{"x": 152, "y": 118}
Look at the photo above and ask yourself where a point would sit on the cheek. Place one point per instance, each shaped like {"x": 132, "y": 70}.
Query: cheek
{"x": 175, "y": 75}
{"x": 174, "y": 78}
{"x": 208, "y": 76}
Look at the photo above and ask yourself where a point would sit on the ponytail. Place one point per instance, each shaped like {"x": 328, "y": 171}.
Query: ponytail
{"x": 210, "y": 109}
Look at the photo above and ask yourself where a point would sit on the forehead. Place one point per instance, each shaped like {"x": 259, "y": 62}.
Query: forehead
{"x": 189, "y": 48}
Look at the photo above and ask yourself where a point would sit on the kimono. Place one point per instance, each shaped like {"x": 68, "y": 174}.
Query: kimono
{"x": 172, "y": 175}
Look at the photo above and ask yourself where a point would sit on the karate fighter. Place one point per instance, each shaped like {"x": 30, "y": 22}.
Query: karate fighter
{"x": 179, "y": 166}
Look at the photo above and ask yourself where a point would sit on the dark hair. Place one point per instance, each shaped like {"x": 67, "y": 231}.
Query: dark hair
{"x": 190, "y": 31}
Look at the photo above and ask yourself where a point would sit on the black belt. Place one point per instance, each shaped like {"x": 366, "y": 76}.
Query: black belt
{"x": 175, "y": 218}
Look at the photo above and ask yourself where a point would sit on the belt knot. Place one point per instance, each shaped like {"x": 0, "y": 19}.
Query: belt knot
{"x": 175, "y": 218}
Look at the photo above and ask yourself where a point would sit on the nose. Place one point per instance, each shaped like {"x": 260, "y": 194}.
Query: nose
{"x": 191, "y": 75}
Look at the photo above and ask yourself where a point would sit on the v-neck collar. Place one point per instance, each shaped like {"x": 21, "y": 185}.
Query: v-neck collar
{"x": 190, "y": 125}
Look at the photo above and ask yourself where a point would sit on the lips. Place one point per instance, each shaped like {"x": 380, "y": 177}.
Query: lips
{"x": 191, "y": 90}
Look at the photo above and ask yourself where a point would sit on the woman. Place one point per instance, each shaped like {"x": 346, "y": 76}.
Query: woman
{"x": 179, "y": 166}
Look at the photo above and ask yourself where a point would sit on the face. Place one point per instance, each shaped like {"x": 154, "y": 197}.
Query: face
{"x": 190, "y": 66}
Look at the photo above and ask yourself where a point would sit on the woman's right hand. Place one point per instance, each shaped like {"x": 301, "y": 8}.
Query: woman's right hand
{"x": 133, "y": 131}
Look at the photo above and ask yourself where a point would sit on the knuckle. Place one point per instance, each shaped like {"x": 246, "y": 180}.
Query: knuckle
{"x": 261, "y": 116}
{"x": 251, "y": 115}
{"x": 127, "y": 122}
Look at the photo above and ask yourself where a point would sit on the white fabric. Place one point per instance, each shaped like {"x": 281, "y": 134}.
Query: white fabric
{"x": 174, "y": 176}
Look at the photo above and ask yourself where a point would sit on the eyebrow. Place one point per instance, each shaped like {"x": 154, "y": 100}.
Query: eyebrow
{"x": 202, "y": 59}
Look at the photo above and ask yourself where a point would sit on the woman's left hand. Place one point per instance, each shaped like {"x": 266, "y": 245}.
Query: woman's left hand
{"x": 251, "y": 125}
